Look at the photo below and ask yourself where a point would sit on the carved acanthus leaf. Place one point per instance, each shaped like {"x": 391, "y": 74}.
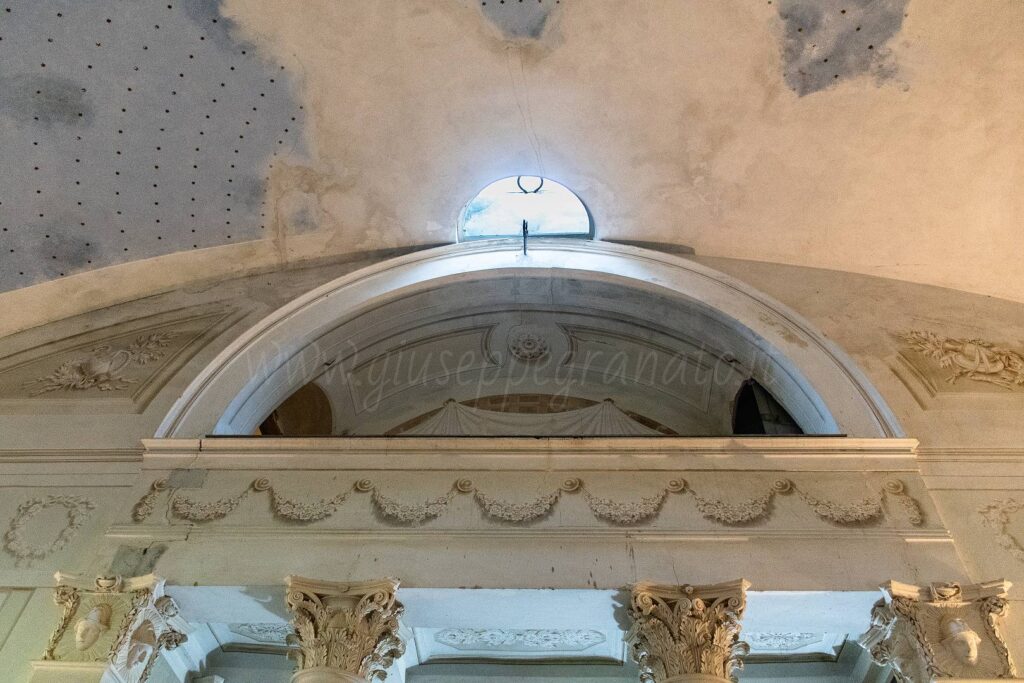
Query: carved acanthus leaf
{"x": 349, "y": 627}
{"x": 686, "y": 629}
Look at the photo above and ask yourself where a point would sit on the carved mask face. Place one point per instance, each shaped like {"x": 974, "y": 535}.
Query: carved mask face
{"x": 90, "y": 627}
{"x": 962, "y": 642}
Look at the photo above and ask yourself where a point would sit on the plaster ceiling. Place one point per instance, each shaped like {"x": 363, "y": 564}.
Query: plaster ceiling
{"x": 876, "y": 136}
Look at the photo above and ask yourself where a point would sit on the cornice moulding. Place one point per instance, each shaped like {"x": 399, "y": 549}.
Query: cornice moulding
{"x": 805, "y": 454}
{"x": 186, "y": 530}
{"x": 785, "y": 445}
{"x": 71, "y": 455}
{"x": 930, "y": 454}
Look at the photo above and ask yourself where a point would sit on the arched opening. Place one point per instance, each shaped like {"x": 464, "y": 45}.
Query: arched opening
{"x": 662, "y": 337}
{"x": 307, "y": 412}
{"x": 757, "y": 412}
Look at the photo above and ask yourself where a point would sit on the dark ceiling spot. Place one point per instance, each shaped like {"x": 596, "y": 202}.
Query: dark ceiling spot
{"x": 827, "y": 41}
{"x": 517, "y": 19}
{"x": 45, "y": 100}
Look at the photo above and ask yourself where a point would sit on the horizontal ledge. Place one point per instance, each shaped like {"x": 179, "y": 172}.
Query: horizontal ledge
{"x": 457, "y": 463}
{"x": 52, "y": 455}
{"x": 649, "y": 445}
{"x": 181, "y": 532}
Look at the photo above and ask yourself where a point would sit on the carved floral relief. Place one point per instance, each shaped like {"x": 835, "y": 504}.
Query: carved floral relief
{"x": 103, "y": 368}
{"x": 996, "y": 516}
{"x": 619, "y": 512}
{"x": 119, "y": 366}
{"x": 775, "y": 641}
{"x": 973, "y": 360}
{"x": 519, "y": 640}
{"x": 263, "y": 633}
{"x": 27, "y": 546}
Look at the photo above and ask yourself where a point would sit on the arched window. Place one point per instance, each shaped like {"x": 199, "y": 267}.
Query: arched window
{"x": 549, "y": 208}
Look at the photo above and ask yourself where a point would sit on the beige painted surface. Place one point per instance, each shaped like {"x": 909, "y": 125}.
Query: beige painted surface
{"x": 671, "y": 119}
{"x": 673, "y": 122}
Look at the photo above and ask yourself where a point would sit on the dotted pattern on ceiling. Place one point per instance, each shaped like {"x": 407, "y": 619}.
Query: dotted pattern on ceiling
{"x": 827, "y": 41}
{"x": 519, "y": 18}
{"x": 131, "y": 130}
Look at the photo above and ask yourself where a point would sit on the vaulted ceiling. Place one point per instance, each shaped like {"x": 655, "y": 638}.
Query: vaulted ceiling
{"x": 876, "y": 136}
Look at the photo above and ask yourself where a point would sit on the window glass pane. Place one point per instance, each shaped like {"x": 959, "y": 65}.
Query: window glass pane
{"x": 501, "y": 207}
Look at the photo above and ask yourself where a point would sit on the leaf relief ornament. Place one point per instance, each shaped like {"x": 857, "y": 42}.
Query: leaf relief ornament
{"x": 78, "y": 511}
{"x": 864, "y": 510}
{"x": 630, "y": 512}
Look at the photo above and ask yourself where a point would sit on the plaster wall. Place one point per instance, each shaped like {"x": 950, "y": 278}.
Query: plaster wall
{"x": 879, "y": 138}
{"x": 76, "y": 443}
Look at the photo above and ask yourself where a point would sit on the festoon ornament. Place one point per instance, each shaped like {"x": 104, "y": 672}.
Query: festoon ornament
{"x": 940, "y": 631}
{"x": 345, "y": 632}
{"x": 687, "y": 633}
{"x": 112, "y": 626}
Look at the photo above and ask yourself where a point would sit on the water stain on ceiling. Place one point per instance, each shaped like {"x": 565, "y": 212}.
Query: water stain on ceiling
{"x": 132, "y": 130}
{"x": 828, "y": 41}
{"x": 517, "y": 19}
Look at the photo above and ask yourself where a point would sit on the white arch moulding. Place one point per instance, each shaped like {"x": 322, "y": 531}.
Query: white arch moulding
{"x": 825, "y": 390}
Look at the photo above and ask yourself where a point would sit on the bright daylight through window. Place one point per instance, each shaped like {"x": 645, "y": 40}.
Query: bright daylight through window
{"x": 549, "y": 208}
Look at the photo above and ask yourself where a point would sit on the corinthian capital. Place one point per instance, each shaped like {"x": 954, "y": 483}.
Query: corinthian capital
{"x": 687, "y": 633}
{"x": 345, "y": 631}
{"x": 940, "y": 631}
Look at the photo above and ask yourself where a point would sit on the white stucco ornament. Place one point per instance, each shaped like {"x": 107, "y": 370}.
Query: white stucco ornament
{"x": 23, "y": 549}
{"x": 527, "y": 345}
{"x": 945, "y": 630}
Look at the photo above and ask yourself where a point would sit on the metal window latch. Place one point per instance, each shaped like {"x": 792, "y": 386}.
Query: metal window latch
{"x": 526, "y": 233}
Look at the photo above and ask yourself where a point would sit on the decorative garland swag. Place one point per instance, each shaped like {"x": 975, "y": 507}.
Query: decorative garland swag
{"x": 868, "y": 509}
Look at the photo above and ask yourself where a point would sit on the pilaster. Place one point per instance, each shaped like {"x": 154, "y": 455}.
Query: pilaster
{"x": 940, "y": 632}
{"x": 346, "y": 632}
{"x": 687, "y": 633}
{"x": 111, "y": 630}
